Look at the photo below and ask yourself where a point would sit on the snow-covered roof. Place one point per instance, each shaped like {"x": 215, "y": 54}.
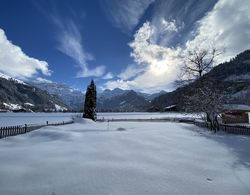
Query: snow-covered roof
{"x": 237, "y": 107}
{"x": 169, "y": 107}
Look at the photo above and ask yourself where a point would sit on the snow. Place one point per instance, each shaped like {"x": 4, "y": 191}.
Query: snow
{"x": 238, "y": 107}
{"x": 10, "y": 119}
{"x": 7, "y": 119}
{"x": 123, "y": 102}
{"x": 12, "y": 106}
{"x": 169, "y": 107}
{"x": 124, "y": 158}
{"x": 28, "y": 104}
{"x": 145, "y": 115}
{"x": 10, "y": 78}
{"x": 60, "y": 108}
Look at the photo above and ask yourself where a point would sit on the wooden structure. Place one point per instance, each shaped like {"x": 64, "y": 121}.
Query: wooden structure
{"x": 236, "y": 114}
{"x": 21, "y": 129}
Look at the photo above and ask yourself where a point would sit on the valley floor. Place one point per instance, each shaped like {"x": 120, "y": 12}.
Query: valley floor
{"x": 124, "y": 158}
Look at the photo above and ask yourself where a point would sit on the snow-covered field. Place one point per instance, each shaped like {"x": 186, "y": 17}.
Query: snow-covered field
{"x": 10, "y": 118}
{"x": 145, "y": 115}
{"x": 124, "y": 158}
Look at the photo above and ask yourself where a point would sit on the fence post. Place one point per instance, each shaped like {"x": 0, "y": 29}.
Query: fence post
{"x": 25, "y": 128}
{"x": 1, "y": 132}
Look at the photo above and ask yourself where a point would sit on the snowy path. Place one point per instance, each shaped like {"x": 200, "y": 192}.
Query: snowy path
{"x": 124, "y": 158}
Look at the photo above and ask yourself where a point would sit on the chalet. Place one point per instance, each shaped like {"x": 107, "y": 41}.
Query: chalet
{"x": 236, "y": 114}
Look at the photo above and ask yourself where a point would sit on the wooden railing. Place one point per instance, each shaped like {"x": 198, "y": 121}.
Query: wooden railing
{"x": 21, "y": 129}
{"x": 233, "y": 129}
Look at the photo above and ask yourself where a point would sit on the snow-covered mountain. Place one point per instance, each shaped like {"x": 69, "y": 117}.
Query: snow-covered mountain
{"x": 74, "y": 98}
{"x": 4, "y": 76}
{"x": 16, "y": 95}
{"x": 129, "y": 101}
{"x": 117, "y": 97}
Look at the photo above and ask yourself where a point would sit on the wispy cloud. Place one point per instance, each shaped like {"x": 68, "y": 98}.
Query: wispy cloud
{"x": 125, "y": 14}
{"x": 108, "y": 76}
{"x": 70, "y": 43}
{"x": 156, "y": 65}
{"x": 42, "y": 80}
{"x": 130, "y": 72}
{"x": 15, "y": 63}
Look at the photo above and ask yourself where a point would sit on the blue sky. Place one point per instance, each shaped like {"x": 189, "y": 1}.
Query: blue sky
{"x": 132, "y": 44}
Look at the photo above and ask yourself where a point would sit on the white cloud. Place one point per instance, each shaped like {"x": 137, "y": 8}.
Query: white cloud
{"x": 15, "y": 63}
{"x": 108, "y": 76}
{"x": 169, "y": 26}
{"x": 70, "y": 43}
{"x": 125, "y": 14}
{"x": 225, "y": 26}
{"x": 42, "y": 80}
{"x": 130, "y": 72}
{"x": 157, "y": 65}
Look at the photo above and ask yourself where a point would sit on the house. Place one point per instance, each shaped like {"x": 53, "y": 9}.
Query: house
{"x": 236, "y": 114}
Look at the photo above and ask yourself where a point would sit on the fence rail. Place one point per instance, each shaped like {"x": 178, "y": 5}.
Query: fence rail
{"x": 21, "y": 129}
{"x": 233, "y": 129}
{"x": 186, "y": 120}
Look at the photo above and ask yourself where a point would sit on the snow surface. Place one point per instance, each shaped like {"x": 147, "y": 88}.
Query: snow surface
{"x": 10, "y": 118}
{"x": 145, "y": 115}
{"x": 29, "y": 104}
{"x": 124, "y": 158}
{"x": 60, "y": 108}
{"x": 11, "y": 78}
{"x": 12, "y": 106}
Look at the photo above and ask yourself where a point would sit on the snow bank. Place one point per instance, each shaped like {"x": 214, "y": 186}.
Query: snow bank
{"x": 124, "y": 158}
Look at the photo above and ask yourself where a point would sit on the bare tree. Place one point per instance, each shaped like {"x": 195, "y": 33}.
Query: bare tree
{"x": 196, "y": 63}
{"x": 206, "y": 99}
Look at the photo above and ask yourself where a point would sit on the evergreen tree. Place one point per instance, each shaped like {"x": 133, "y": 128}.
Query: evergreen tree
{"x": 90, "y": 102}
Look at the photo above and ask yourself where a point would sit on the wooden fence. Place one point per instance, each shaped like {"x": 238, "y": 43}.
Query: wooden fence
{"x": 21, "y": 129}
{"x": 186, "y": 120}
{"x": 233, "y": 129}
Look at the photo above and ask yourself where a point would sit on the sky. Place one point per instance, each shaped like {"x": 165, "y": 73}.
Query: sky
{"x": 132, "y": 44}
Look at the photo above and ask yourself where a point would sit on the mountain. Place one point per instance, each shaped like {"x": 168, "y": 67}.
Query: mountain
{"x": 72, "y": 97}
{"x": 17, "y": 95}
{"x": 129, "y": 101}
{"x": 108, "y": 94}
{"x": 75, "y": 98}
{"x": 231, "y": 78}
{"x": 150, "y": 97}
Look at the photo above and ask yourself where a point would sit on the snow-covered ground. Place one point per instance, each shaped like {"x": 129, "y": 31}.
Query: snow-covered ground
{"x": 124, "y": 158}
{"x": 10, "y": 118}
{"x": 145, "y": 115}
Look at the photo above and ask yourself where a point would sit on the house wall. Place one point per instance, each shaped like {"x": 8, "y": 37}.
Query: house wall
{"x": 235, "y": 118}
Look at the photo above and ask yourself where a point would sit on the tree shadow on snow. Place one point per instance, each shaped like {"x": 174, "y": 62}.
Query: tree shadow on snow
{"x": 238, "y": 144}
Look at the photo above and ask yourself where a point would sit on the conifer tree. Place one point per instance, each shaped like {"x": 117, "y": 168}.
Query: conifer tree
{"x": 90, "y": 102}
